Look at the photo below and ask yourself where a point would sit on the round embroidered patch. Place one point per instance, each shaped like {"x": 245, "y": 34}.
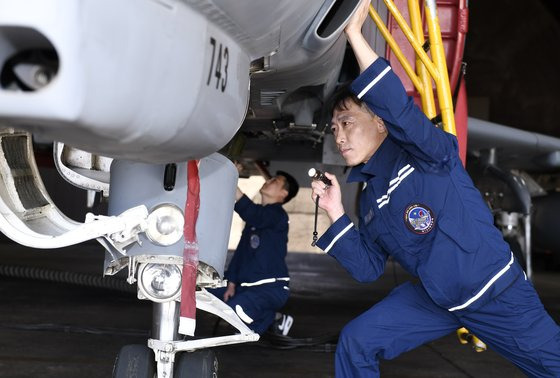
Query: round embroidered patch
{"x": 255, "y": 241}
{"x": 419, "y": 218}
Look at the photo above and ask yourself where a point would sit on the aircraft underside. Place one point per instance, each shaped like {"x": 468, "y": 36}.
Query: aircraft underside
{"x": 137, "y": 97}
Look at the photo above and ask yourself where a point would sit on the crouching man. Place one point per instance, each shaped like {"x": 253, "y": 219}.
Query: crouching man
{"x": 420, "y": 207}
{"x": 258, "y": 279}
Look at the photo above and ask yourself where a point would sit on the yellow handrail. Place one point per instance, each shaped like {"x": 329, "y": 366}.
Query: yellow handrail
{"x": 427, "y": 98}
{"x": 438, "y": 55}
{"x": 396, "y": 49}
{"x": 437, "y": 69}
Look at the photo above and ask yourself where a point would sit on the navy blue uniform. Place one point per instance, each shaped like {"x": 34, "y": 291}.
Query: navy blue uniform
{"x": 420, "y": 206}
{"x": 258, "y": 266}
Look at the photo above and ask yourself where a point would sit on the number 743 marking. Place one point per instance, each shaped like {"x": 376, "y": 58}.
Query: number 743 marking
{"x": 219, "y": 61}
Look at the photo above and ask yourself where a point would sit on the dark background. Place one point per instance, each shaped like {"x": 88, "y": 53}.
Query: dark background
{"x": 513, "y": 59}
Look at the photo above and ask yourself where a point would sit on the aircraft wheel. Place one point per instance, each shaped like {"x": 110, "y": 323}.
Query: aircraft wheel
{"x": 135, "y": 361}
{"x": 201, "y": 363}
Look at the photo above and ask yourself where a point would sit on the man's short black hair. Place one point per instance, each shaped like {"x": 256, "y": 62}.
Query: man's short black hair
{"x": 340, "y": 98}
{"x": 291, "y": 183}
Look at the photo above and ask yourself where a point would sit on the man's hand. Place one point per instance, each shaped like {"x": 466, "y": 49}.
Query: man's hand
{"x": 230, "y": 291}
{"x": 357, "y": 20}
{"x": 330, "y": 198}
{"x": 362, "y": 50}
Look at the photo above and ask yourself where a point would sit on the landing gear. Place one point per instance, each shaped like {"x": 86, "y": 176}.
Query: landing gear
{"x": 200, "y": 363}
{"x": 144, "y": 233}
{"x": 137, "y": 361}
{"x": 154, "y": 263}
{"x": 134, "y": 361}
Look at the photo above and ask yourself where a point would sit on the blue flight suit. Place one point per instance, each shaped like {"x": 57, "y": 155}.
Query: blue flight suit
{"x": 258, "y": 266}
{"x": 420, "y": 206}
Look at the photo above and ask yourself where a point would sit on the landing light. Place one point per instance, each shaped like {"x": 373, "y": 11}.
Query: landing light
{"x": 160, "y": 282}
{"x": 165, "y": 225}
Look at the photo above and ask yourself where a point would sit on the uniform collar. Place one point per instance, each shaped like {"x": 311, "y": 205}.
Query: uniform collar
{"x": 379, "y": 165}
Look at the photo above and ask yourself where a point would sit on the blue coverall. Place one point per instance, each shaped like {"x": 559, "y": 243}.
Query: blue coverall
{"x": 420, "y": 206}
{"x": 258, "y": 266}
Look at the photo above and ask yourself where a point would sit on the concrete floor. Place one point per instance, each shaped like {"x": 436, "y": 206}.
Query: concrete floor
{"x": 60, "y": 330}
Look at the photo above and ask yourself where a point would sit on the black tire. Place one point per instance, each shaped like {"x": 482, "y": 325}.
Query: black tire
{"x": 201, "y": 364}
{"x": 134, "y": 361}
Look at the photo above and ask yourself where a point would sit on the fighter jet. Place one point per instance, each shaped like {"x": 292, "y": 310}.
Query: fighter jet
{"x": 146, "y": 102}
{"x": 137, "y": 97}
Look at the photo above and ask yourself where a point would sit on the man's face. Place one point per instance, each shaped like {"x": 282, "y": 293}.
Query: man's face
{"x": 274, "y": 187}
{"x": 357, "y": 132}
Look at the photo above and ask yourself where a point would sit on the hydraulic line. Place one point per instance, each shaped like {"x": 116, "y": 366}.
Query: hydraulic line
{"x": 73, "y": 278}
{"x": 67, "y": 328}
{"x": 60, "y": 276}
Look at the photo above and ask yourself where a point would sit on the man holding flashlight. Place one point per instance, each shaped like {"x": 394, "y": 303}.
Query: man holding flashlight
{"x": 420, "y": 207}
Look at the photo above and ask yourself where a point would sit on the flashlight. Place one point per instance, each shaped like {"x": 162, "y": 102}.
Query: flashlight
{"x": 316, "y": 174}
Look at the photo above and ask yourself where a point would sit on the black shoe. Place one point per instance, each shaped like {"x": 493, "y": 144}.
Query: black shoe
{"x": 282, "y": 324}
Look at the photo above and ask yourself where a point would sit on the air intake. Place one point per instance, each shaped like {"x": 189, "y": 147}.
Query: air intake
{"x": 28, "y": 62}
{"x": 335, "y": 17}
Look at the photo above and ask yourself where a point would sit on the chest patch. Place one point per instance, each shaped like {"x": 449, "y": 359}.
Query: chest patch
{"x": 255, "y": 241}
{"x": 419, "y": 218}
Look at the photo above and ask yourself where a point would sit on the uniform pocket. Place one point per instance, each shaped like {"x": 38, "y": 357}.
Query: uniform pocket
{"x": 461, "y": 231}
{"x": 411, "y": 221}
{"x": 528, "y": 344}
{"x": 457, "y": 223}
{"x": 415, "y": 234}
{"x": 533, "y": 326}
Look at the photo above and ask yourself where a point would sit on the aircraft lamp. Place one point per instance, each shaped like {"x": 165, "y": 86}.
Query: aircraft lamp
{"x": 160, "y": 282}
{"x": 165, "y": 225}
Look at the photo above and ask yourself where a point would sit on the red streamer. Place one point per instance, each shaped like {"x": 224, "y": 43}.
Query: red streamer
{"x": 190, "y": 252}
